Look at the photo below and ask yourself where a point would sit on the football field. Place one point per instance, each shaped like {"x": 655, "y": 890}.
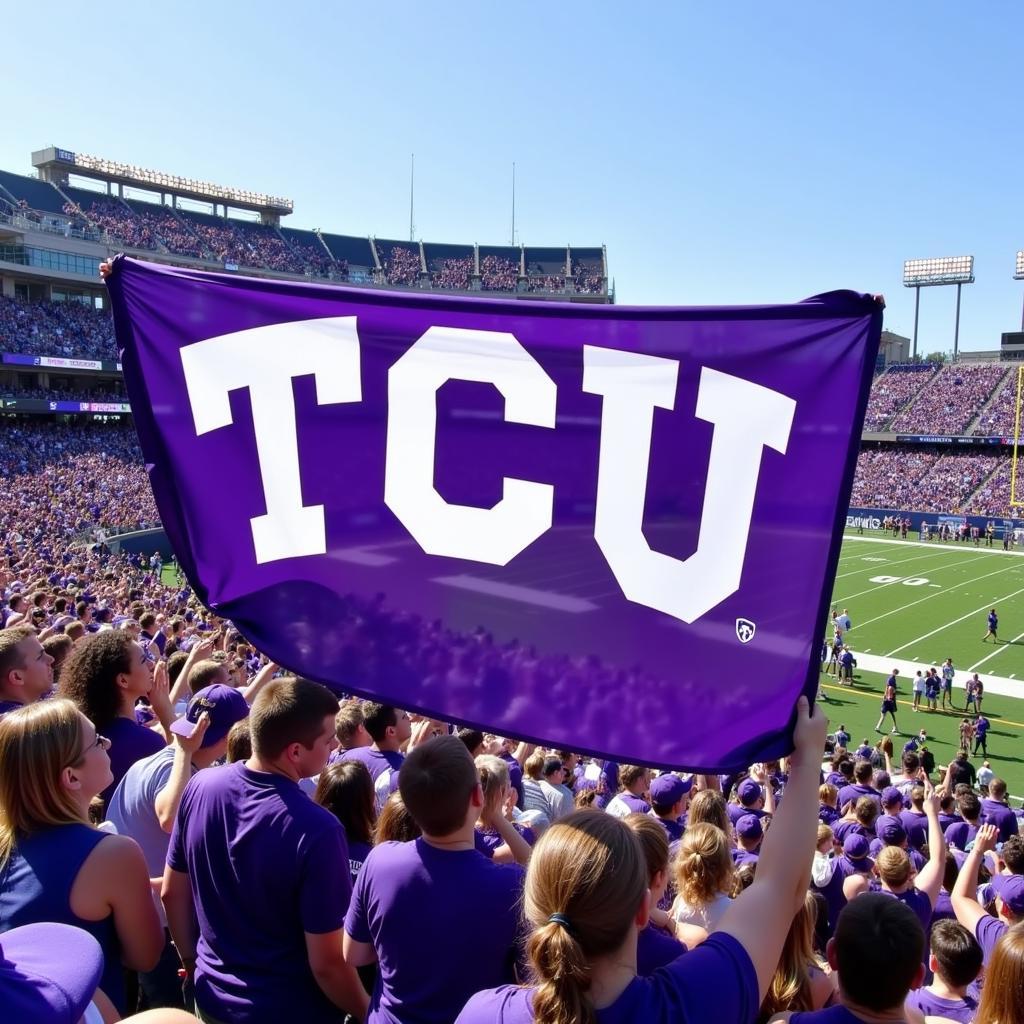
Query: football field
{"x": 915, "y": 604}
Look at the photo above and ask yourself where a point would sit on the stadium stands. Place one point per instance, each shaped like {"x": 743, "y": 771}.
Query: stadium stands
{"x": 893, "y": 390}
{"x": 400, "y": 261}
{"x": 951, "y": 400}
{"x": 62, "y": 329}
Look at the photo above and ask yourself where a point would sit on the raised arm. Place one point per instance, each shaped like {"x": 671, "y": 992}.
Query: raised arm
{"x": 260, "y": 680}
{"x": 929, "y": 879}
{"x": 964, "y": 896}
{"x": 760, "y": 916}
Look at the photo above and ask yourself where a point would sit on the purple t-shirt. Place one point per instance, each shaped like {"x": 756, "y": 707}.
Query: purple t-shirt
{"x": 837, "y": 1014}
{"x": 853, "y": 792}
{"x": 994, "y": 812}
{"x": 654, "y": 949}
{"x": 960, "y": 834}
{"x": 714, "y": 981}
{"x": 443, "y": 924}
{"x": 827, "y": 815}
{"x": 377, "y": 761}
{"x": 931, "y": 1005}
{"x": 129, "y": 742}
{"x": 916, "y": 825}
{"x": 263, "y": 863}
{"x": 357, "y": 854}
{"x": 9, "y": 705}
{"x": 988, "y": 931}
{"x": 674, "y": 829}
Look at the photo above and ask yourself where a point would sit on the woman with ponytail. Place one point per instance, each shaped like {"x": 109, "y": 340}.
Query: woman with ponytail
{"x": 587, "y": 896}
{"x": 1002, "y": 996}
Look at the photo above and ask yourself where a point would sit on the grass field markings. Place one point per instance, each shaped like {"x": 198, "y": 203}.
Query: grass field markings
{"x": 941, "y": 545}
{"x": 907, "y": 704}
{"x": 945, "y": 591}
{"x": 889, "y": 565}
{"x": 944, "y": 568}
{"x": 998, "y": 650}
{"x": 975, "y": 611}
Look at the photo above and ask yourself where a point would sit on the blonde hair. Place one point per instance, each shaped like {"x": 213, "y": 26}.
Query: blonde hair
{"x": 790, "y": 988}
{"x": 589, "y": 869}
{"x": 1001, "y": 1001}
{"x": 704, "y": 866}
{"x": 824, "y": 832}
{"x": 828, "y": 794}
{"x": 893, "y": 864}
{"x": 37, "y": 742}
{"x": 493, "y": 773}
{"x": 534, "y": 765}
{"x": 653, "y": 841}
{"x": 708, "y": 806}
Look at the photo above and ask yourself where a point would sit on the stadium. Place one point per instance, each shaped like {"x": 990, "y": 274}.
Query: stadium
{"x": 934, "y": 536}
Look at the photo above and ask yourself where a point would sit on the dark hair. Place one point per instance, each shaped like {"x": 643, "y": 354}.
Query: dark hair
{"x": 378, "y": 718}
{"x": 394, "y": 823}
{"x": 175, "y": 663}
{"x": 970, "y": 806}
{"x": 879, "y": 943}
{"x": 346, "y": 790}
{"x": 89, "y": 674}
{"x": 957, "y": 953}
{"x": 1012, "y": 853}
{"x": 147, "y": 620}
{"x": 911, "y": 762}
{"x": 862, "y": 771}
{"x": 239, "y": 742}
{"x": 436, "y": 782}
{"x": 287, "y": 711}
{"x": 473, "y": 738}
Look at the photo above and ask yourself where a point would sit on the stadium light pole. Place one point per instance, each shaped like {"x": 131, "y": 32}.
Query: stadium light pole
{"x": 1018, "y": 275}
{"x": 943, "y": 270}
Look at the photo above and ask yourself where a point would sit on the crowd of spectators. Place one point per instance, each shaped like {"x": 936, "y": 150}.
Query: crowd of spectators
{"x": 992, "y": 498}
{"x": 890, "y": 477}
{"x": 456, "y": 272}
{"x": 62, "y": 329}
{"x": 587, "y": 277}
{"x": 951, "y": 400}
{"x": 400, "y": 266}
{"x": 999, "y": 417}
{"x": 893, "y": 390}
{"x": 64, "y": 394}
{"x": 499, "y": 274}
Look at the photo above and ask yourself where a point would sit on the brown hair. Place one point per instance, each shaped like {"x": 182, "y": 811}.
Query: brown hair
{"x": 708, "y": 806}
{"x": 37, "y": 742}
{"x": 287, "y": 711}
{"x": 653, "y": 841}
{"x": 203, "y": 674}
{"x": 437, "y": 781}
{"x": 866, "y": 810}
{"x": 893, "y": 865}
{"x": 10, "y": 657}
{"x": 629, "y": 774}
{"x": 346, "y": 790}
{"x": 958, "y": 957}
{"x": 790, "y": 988}
{"x": 534, "y": 765}
{"x": 239, "y": 742}
{"x": 588, "y": 870}
{"x": 394, "y": 823}
{"x": 704, "y": 866}
{"x": 89, "y": 674}
{"x": 1004, "y": 981}
{"x": 492, "y": 772}
{"x": 347, "y": 721}
{"x": 828, "y": 794}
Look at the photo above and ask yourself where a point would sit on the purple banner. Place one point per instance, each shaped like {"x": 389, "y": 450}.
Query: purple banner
{"x": 612, "y": 529}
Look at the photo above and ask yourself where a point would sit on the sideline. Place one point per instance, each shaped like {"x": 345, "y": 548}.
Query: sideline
{"x": 884, "y": 664}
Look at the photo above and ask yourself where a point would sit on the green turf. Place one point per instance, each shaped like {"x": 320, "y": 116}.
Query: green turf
{"x": 926, "y": 623}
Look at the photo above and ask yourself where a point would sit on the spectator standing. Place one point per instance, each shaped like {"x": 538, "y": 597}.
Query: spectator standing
{"x": 26, "y": 670}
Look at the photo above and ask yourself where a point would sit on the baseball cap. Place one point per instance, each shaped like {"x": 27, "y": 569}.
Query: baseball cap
{"x": 667, "y": 790}
{"x": 225, "y": 706}
{"x": 48, "y": 973}
{"x": 748, "y": 826}
{"x": 892, "y": 833}
{"x": 749, "y": 791}
{"x": 856, "y": 846}
{"x": 1010, "y": 889}
{"x": 891, "y": 795}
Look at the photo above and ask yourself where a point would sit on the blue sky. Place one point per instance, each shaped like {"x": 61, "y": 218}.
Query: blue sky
{"x": 724, "y": 153}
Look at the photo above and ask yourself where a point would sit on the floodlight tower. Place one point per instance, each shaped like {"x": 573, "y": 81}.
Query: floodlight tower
{"x": 918, "y": 274}
{"x": 1018, "y": 275}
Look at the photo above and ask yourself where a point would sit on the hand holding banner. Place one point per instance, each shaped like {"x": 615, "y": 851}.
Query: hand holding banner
{"x": 611, "y": 529}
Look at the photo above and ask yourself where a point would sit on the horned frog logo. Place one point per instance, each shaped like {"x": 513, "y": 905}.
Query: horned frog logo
{"x": 745, "y": 630}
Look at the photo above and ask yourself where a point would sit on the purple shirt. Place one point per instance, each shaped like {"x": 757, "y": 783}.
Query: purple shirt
{"x": 916, "y": 825}
{"x": 263, "y": 863}
{"x": 377, "y": 761}
{"x": 988, "y": 931}
{"x": 853, "y": 792}
{"x": 624, "y": 804}
{"x": 9, "y": 705}
{"x": 837, "y": 1014}
{"x": 674, "y": 829}
{"x": 716, "y": 981}
{"x": 129, "y": 742}
{"x": 654, "y": 949}
{"x": 960, "y": 834}
{"x": 411, "y": 899}
{"x": 931, "y": 1005}
{"x": 994, "y": 812}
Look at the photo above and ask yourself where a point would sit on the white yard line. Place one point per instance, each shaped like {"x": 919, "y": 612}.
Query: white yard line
{"x": 998, "y": 650}
{"x": 881, "y": 586}
{"x": 888, "y": 565}
{"x": 976, "y": 611}
{"x": 1005, "y": 686}
{"x": 931, "y": 545}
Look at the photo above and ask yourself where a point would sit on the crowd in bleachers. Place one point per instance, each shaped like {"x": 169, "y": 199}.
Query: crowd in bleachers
{"x": 499, "y": 274}
{"x": 893, "y": 390}
{"x": 455, "y": 272}
{"x": 999, "y": 417}
{"x": 63, "y": 329}
{"x": 54, "y": 394}
{"x": 400, "y": 265}
{"x": 951, "y": 400}
{"x": 587, "y": 277}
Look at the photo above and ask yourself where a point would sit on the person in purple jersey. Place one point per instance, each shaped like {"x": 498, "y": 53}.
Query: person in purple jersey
{"x": 390, "y": 729}
{"x": 262, "y": 870}
{"x": 915, "y": 821}
{"x": 828, "y": 797}
{"x": 861, "y": 786}
{"x": 996, "y": 810}
{"x": 749, "y": 833}
{"x": 346, "y": 790}
{"x": 948, "y": 814}
{"x": 436, "y": 893}
{"x": 26, "y": 670}
{"x": 877, "y": 951}
{"x": 669, "y": 797}
{"x": 892, "y": 835}
{"x": 587, "y": 898}
{"x": 105, "y": 675}
{"x": 507, "y": 752}
{"x": 889, "y": 704}
{"x": 1009, "y": 890}
{"x": 864, "y": 750}
{"x": 963, "y": 832}
{"x": 662, "y": 940}
{"x": 955, "y": 962}
{"x": 497, "y": 790}
{"x": 634, "y": 780}
{"x": 754, "y": 798}
{"x": 859, "y": 820}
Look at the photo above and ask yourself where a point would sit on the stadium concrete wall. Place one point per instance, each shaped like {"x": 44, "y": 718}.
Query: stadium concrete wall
{"x": 871, "y": 519}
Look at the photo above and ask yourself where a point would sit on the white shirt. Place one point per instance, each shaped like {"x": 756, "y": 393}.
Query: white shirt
{"x": 706, "y": 916}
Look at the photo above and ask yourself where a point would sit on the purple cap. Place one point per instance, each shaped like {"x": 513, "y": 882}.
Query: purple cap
{"x": 856, "y": 846}
{"x": 749, "y": 791}
{"x": 1010, "y": 889}
{"x": 748, "y": 826}
{"x": 668, "y": 790}
{"x": 892, "y": 833}
{"x": 891, "y": 795}
{"x": 225, "y": 706}
{"x": 48, "y": 972}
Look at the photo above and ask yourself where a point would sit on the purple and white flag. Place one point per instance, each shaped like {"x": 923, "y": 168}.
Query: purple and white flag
{"x": 607, "y": 528}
